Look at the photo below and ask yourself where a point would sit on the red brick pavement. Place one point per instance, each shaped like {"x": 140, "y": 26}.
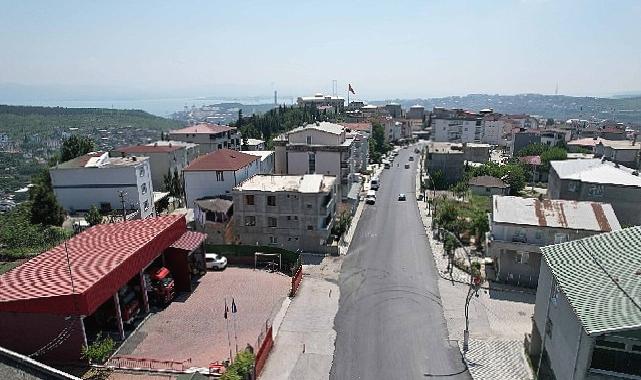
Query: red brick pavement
{"x": 196, "y": 329}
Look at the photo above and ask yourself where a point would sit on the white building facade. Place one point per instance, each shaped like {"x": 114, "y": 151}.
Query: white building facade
{"x": 210, "y": 137}
{"x": 217, "y": 173}
{"x": 96, "y": 179}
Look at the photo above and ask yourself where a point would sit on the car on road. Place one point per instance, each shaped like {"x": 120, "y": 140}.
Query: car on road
{"x": 407, "y": 166}
{"x": 374, "y": 184}
{"x": 411, "y": 158}
{"x": 215, "y": 261}
{"x": 370, "y": 198}
{"x": 402, "y": 197}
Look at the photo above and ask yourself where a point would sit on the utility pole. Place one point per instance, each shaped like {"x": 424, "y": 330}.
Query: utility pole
{"x": 122, "y": 194}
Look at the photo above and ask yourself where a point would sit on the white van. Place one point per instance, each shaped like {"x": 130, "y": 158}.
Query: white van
{"x": 374, "y": 184}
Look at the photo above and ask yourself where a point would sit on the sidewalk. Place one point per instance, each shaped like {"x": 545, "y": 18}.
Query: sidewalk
{"x": 304, "y": 345}
{"x": 498, "y": 319}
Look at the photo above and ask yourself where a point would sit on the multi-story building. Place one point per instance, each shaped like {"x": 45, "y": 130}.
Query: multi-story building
{"x": 456, "y": 126}
{"x": 267, "y": 160}
{"x": 416, "y": 112}
{"x": 394, "y": 109}
{"x": 254, "y": 144}
{"x": 165, "y": 157}
{"x": 217, "y": 173}
{"x": 621, "y": 152}
{"x": 519, "y": 227}
{"x": 447, "y": 159}
{"x": 289, "y": 211}
{"x": 587, "y": 319}
{"x": 600, "y": 181}
{"x": 210, "y": 137}
{"x": 318, "y": 148}
{"x": 96, "y": 179}
{"x": 320, "y": 100}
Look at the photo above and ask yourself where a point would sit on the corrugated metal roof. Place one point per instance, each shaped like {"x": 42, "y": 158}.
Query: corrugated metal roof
{"x": 555, "y": 213}
{"x": 601, "y": 278}
{"x": 595, "y": 171}
{"x": 102, "y": 259}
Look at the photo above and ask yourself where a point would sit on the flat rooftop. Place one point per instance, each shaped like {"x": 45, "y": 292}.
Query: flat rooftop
{"x": 99, "y": 160}
{"x": 595, "y": 171}
{"x": 308, "y": 183}
{"x": 204, "y": 128}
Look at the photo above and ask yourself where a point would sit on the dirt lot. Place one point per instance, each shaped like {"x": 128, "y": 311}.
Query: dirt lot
{"x": 193, "y": 326}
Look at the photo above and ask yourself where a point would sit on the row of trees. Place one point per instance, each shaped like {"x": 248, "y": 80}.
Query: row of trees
{"x": 377, "y": 145}
{"x": 276, "y": 121}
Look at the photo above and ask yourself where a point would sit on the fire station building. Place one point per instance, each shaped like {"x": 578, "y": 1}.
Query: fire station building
{"x": 104, "y": 279}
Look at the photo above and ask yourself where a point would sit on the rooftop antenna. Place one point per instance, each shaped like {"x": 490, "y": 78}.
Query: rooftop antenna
{"x": 122, "y": 194}
{"x": 334, "y": 87}
{"x": 556, "y": 89}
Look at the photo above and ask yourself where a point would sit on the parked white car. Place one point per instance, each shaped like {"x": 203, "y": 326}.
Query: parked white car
{"x": 215, "y": 261}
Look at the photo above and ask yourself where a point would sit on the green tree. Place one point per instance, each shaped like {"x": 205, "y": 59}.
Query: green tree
{"x": 44, "y": 205}
{"x": 513, "y": 174}
{"x": 241, "y": 368}
{"x": 93, "y": 217}
{"x": 553, "y": 154}
{"x": 480, "y": 225}
{"x": 98, "y": 351}
{"x": 438, "y": 181}
{"x": 75, "y": 146}
{"x": 549, "y": 122}
{"x": 342, "y": 224}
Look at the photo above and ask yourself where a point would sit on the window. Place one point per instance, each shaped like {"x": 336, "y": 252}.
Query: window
{"x": 572, "y": 187}
{"x": 310, "y": 227}
{"x": 273, "y": 240}
{"x": 250, "y": 220}
{"x": 309, "y": 205}
{"x": 595, "y": 190}
{"x": 311, "y": 163}
{"x": 538, "y": 235}
{"x": 143, "y": 188}
{"x": 271, "y": 200}
{"x": 249, "y": 200}
{"x": 560, "y": 237}
{"x": 271, "y": 222}
{"x": 309, "y": 140}
{"x": 146, "y": 205}
{"x": 142, "y": 171}
{"x": 219, "y": 175}
{"x": 522, "y": 257}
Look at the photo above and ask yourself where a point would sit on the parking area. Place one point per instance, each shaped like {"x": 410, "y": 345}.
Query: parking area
{"x": 193, "y": 325}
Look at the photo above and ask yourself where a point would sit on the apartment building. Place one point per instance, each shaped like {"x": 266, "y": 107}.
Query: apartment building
{"x": 320, "y": 100}
{"x": 164, "y": 157}
{"x": 519, "y": 227}
{"x": 217, "y": 173}
{"x": 446, "y": 158}
{"x": 96, "y": 179}
{"x": 456, "y": 126}
{"x": 318, "y": 148}
{"x": 289, "y": 211}
{"x": 600, "y": 181}
{"x": 587, "y": 320}
{"x": 210, "y": 137}
{"x": 267, "y": 160}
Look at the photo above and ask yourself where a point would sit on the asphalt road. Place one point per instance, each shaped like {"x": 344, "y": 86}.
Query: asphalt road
{"x": 390, "y": 322}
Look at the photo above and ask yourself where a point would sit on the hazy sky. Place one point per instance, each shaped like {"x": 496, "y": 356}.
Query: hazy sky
{"x": 386, "y": 49}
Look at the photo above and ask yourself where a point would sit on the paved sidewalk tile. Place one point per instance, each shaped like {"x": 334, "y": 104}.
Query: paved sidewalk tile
{"x": 496, "y": 359}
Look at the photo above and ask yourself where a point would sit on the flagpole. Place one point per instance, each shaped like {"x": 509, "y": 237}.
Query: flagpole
{"x": 231, "y": 358}
{"x": 233, "y": 314}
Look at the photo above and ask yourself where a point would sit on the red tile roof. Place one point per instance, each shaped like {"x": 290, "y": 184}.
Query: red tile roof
{"x": 204, "y": 128}
{"x": 102, "y": 260}
{"x": 148, "y": 148}
{"x": 189, "y": 241}
{"x": 222, "y": 159}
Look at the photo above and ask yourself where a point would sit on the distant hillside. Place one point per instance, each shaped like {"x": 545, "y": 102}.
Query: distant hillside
{"x": 554, "y": 106}
{"x": 20, "y": 121}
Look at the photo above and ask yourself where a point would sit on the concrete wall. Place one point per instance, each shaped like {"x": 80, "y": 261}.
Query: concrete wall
{"x": 301, "y": 219}
{"x": 280, "y": 159}
{"x": 521, "y": 140}
{"x": 504, "y": 250}
{"x": 568, "y": 346}
{"x": 26, "y": 333}
{"x": 200, "y": 184}
{"x": 318, "y": 137}
{"x": 625, "y": 200}
{"x": 79, "y": 189}
{"x": 452, "y": 165}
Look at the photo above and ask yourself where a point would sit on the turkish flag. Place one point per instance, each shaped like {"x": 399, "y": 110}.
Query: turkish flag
{"x": 350, "y": 89}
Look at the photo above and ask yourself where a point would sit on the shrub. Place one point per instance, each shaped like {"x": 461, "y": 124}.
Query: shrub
{"x": 243, "y": 366}
{"x": 99, "y": 350}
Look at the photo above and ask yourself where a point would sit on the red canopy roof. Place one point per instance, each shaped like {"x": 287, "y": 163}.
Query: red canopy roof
{"x": 102, "y": 259}
{"x": 189, "y": 241}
